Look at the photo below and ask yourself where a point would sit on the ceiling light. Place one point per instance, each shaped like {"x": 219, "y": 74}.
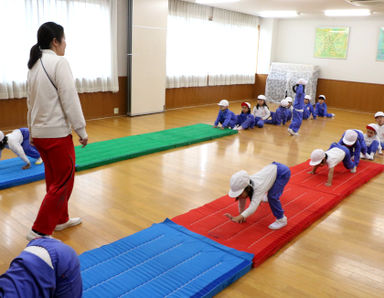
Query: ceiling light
{"x": 347, "y": 12}
{"x": 215, "y": 1}
{"x": 278, "y": 14}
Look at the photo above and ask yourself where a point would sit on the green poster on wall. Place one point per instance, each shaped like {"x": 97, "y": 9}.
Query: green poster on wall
{"x": 380, "y": 46}
{"x": 331, "y": 42}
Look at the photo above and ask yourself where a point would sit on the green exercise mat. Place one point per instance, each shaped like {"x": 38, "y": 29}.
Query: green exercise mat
{"x": 102, "y": 153}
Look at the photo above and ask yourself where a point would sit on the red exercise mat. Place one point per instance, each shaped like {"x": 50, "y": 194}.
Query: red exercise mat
{"x": 303, "y": 205}
{"x": 344, "y": 182}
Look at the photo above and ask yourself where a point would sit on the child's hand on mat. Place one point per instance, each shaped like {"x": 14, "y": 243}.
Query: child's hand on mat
{"x": 228, "y": 215}
{"x": 215, "y": 126}
{"x": 238, "y": 219}
{"x": 27, "y": 166}
{"x": 83, "y": 142}
{"x": 328, "y": 184}
{"x": 222, "y": 127}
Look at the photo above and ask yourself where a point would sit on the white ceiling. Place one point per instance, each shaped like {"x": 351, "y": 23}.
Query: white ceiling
{"x": 307, "y": 7}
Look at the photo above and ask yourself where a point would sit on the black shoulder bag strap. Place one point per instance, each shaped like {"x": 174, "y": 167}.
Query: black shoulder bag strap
{"x": 47, "y": 74}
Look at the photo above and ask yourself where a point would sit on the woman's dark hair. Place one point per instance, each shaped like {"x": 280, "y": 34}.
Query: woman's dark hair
{"x": 249, "y": 191}
{"x": 3, "y": 143}
{"x": 46, "y": 33}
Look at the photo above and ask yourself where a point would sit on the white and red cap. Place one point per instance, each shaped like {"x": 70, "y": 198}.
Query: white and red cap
{"x": 262, "y": 97}
{"x": 223, "y": 103}
{"x": 350, "y": 137}
{"x": 1, "y": 136}
{"x": 246, "y": 104}
{"x": 373, "y": 126}
{"x": 308, "y": 97}
{"x": 379, "y": 114}
{"x": 239, "y": 181}
{"x": 317, "y": 157}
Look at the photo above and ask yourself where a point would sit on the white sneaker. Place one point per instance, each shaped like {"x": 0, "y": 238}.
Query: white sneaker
{"x": 292, "y": 133}
{"x": 32, "y": 235}
{"x": 370, "y": 156}
{"x": 39, "y": 161}
{"x": 265, "y": 198}
{"x": 279, "y": 223}
{"x": 353, "y": 170}
{"x": 70, "y": 223}
{"x": 362, "y": 156}
{"x": 333, "y": 115}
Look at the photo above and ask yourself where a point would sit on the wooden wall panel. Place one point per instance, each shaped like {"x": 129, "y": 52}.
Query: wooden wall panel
{"x": 194, "y": 96}
{"x": 13, "y": 112}
{"x": 363, "y": 97}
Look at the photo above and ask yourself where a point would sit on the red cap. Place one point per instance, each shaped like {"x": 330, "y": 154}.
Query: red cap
{"x": 372, "y": 127}
{"x": 246, "y": 104}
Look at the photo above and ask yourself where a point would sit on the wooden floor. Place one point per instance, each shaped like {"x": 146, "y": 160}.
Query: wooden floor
{"x": 341, "y": 255}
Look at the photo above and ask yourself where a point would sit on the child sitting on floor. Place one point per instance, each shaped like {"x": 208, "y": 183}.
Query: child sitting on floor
{"x": 226, "y": 118}
{"x": 245, "y": 120}
{"x": 269, "y": 182}
{"x": 280, "y": 115}
{"x": 289, "y": 108}
{"x": 321, "y": 108}
{"x": 372, "y": 141}
{"x": 379, "y": 116}
{"x": 18, "y": 142}
{"x": 308, "y": 108}
{"x": 332, "y": 157}
{"x": 261, "y": 111}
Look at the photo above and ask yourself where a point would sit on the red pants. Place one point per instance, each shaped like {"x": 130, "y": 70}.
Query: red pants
{"x": 58, "y": 155}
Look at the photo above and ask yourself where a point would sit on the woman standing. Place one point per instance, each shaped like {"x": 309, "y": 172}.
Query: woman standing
{"x": 53, "y": 110}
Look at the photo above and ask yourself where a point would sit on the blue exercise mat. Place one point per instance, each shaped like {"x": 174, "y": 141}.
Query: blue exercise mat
{"x": 164, "y": 260}
{"x": 11, "y": 173}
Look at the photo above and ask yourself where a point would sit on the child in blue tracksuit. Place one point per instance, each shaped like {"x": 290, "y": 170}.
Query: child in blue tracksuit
{"x": 45, "y": 268}
{"x": 18, "y": 142}
{"x": 226, "y": 118}
{"x": 332, "y": 157}
{"x": 353, "y": 139}
{"x": 308, "y": 108}
{"x": 372, "y": 141}
{"x": 245, "y": 120}
{"x": 321, "y": 108}
{"x": 267, "y": 184}
{"x": 379, "y": 117}
{"x": 261, "y": 111}
{"x": 298, "y": 107}
{"x": 280, "y": 115}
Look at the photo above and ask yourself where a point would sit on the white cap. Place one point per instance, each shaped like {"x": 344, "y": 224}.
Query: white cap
{"x": 223, "y": 103}
{"x": 302, "y": 82}
{"x": 373, "y": 126}
{"x": 261, "y": 96}
{"x": 1, "y": 136}
{"x": 239, "y": 181}
{"x": 308, "y": 97}
{"x": 317, "y": 157}
{"x": 350, "y": 137}
{"x": 284, "y": 103}
{"x": 246, "y": 103}
{"x": 322, "y": 96}
{"x": 379, "y": 114}
{"x": 289, "y": 99}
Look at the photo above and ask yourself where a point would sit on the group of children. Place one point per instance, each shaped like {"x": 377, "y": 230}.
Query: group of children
{"x": 352, "y": 146}
{"x": 297, "y": 110}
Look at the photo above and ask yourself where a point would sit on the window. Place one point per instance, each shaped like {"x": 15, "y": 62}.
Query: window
{"x": 209, "y": 46}
{"x": 90, "y": 29}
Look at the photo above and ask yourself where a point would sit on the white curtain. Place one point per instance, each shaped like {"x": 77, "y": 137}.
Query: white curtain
{"x": 210, "y": 46}
{"x": 90, "y": 30}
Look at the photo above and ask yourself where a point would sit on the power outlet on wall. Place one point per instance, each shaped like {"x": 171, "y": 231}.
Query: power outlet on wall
{"x": 115, "y": 111}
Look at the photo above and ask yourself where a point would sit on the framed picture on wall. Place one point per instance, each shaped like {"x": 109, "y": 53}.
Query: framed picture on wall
{"x": 380, "y": 46}
{"x": 331, "y": 42}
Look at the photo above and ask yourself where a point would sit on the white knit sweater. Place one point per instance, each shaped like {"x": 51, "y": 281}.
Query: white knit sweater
{"x": 53, "y": 113}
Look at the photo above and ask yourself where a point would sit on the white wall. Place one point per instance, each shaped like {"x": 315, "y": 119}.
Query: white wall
{"x": 295, "y": 43}
{"x": 148, "y": 59}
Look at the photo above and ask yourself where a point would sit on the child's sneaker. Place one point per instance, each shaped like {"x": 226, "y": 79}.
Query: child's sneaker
{"x": 279, "y": 223}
